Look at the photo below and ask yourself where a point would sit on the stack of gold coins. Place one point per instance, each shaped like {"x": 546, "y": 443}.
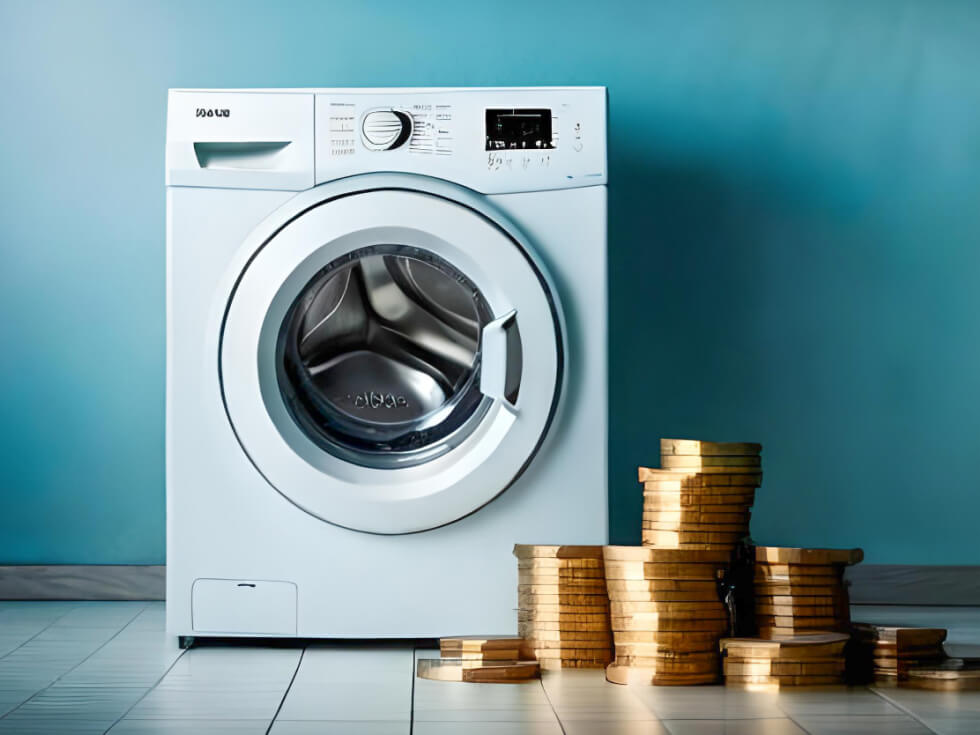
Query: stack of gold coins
{"x": 481, "y": 649}
{"x": 800, "y": 591}
{"x": 665, "y": 613}
{"x": 810, "y": 660}
{"x": 885, "y": 653}
{"x": 563, "y": 608}
{"x": 702, "y": 496}
{"x": 951, "y": 675}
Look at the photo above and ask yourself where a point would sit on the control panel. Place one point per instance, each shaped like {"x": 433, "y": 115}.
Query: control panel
{"x": 497, "y": 140}
{"x": 491, "y": 140}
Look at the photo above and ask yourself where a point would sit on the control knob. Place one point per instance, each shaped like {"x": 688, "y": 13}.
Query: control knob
{"x": 384, "y": 130}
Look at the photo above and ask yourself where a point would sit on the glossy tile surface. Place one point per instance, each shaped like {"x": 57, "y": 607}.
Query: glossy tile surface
{"x": 83, "y": 668}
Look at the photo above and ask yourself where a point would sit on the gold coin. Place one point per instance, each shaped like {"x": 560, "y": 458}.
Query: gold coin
{"x": 683, "y": 610}
{"x": 797, "y": 591}
{"x": 560, "y": 617}
{"x": 568, "y": 649}
{"x": 699, "y": 463}
{"x": 687, "y": 478}
{"x": 571, "y": 573}
{"x": 554, "y": 664}
{"x": 796, "y": 610}
{"x": 538, "y": 608}
{"x": 697, "y": 447}
{"x": 663, "y": 556}
{"x": 442, "y": 669}
{"x": 562, "y": 589}
{"x": 625, "y": 674}
{"x": 682, "y": 527}
{"x": 527, "y": 598}
{"x": 528, "y": 551}
{"x": 695, "y": 517}
{"x": 804, "y": 646}
{"x": 640, "y": 623}
{"x": 748, "y": 667}
{"x": 558, "y": 565}
{"x": 534, "y": 635}
{"x": 787, "y": 555}
{"x": 526, "y": 625}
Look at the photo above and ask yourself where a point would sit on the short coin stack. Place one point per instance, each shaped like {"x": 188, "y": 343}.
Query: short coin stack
{"x": 481, "y": 660}
{"x": 885, "y": 653}
{"x": 800, "y": 591}
{"x": 665, "y": 613}
{"x": 563, "y": 608}
{"x": 701, "y": 498}
{"x": 481, "y": 649}
{"x": 810, "y": 660}
{"x": 952, "y": 675}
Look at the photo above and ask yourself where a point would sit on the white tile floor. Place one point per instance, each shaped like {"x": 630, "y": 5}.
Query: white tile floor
{"x": 97, "y": 667}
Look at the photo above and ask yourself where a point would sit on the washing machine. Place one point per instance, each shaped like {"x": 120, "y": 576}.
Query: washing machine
{"x": 386, "y": 354}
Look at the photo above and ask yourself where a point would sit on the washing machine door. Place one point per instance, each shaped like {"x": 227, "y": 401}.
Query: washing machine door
{"x": 391, "y": 358}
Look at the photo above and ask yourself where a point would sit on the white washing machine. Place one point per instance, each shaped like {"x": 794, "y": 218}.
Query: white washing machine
{"x": 386, "y": 354}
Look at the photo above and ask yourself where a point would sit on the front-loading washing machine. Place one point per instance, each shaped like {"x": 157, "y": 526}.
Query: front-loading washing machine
{"x": 386, "y": 354}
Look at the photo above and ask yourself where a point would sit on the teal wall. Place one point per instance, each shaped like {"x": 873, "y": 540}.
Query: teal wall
{"x": 795, "y": 241}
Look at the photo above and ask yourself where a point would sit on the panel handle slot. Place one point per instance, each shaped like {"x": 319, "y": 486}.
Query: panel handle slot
{"x": 243, "y": 156}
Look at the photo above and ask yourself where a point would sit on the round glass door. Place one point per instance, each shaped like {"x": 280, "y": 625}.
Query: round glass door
{"x": 390, "y": 359}
{"x": 379, "y": 356}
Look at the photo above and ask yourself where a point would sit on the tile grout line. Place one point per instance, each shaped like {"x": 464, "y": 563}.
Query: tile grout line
{"x": 551, "y": 704}
{"x": 150, "y": 689}
{"x": 63, "y": 675}
{"x": 411, "y": 709}
{"x": 38, "y": 633}
{"x": 285, "y": 694}
{"x": 900, "y": 707}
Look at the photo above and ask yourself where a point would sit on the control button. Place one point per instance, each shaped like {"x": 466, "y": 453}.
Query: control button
{"x": 384, "y": 130}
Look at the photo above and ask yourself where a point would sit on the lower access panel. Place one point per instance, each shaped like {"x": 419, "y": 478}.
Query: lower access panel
{"x": 243, "y": 606}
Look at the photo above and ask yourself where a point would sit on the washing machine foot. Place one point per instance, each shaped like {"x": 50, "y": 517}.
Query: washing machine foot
{"x": 185, "y": 641}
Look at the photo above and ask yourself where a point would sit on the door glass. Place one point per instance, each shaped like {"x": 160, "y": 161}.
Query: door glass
{"x": 379, "y": 357}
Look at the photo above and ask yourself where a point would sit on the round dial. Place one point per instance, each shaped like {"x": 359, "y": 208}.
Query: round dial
{"x": 384, "y": 130}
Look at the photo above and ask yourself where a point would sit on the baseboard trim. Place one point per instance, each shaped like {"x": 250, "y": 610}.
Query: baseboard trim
{"x": 871, "y": 584}
{"x": 83, "y": 582}
{"x": 914, "y": 584}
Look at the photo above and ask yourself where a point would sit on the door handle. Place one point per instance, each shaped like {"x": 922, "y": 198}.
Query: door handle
{"x": 501, "y": 359}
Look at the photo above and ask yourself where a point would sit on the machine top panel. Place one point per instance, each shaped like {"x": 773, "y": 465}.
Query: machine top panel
{"x": 493, "y": 140}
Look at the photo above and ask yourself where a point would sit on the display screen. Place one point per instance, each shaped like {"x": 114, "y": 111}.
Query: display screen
{"x": 519, "y": 129}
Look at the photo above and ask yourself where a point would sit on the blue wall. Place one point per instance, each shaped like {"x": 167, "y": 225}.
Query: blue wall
{"x": 795, "y": 241}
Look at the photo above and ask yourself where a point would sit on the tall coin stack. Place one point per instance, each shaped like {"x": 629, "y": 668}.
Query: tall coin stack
{"x": 666, "y": 615}
{"x": 885, "y": 653}
{"x": 702, "y": 495}
{"x": 800, "y": 591}
{"x": 563, "y": 608}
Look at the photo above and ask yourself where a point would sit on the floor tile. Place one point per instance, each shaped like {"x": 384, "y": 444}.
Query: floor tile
{"x": 81, "y": 703}
{"x": 207, "y": 705}
{"x": 525, "y": 714}
{"x": 345, "y": 701}
{"x": 953, "y": 725}
{"x": 335, "y": 727}
{"x": 766, "y": 726}
{"x": 843, "y": 701}
{"x": 54, "y": 726}
{"x": 189, "y": 727}
{"x": 861, "y": 725}
{"x": 614, "y": 727}
{"x": 706, "y": 703}
{"x": 11, "y": 698}
{"x": 488, "y": 728}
